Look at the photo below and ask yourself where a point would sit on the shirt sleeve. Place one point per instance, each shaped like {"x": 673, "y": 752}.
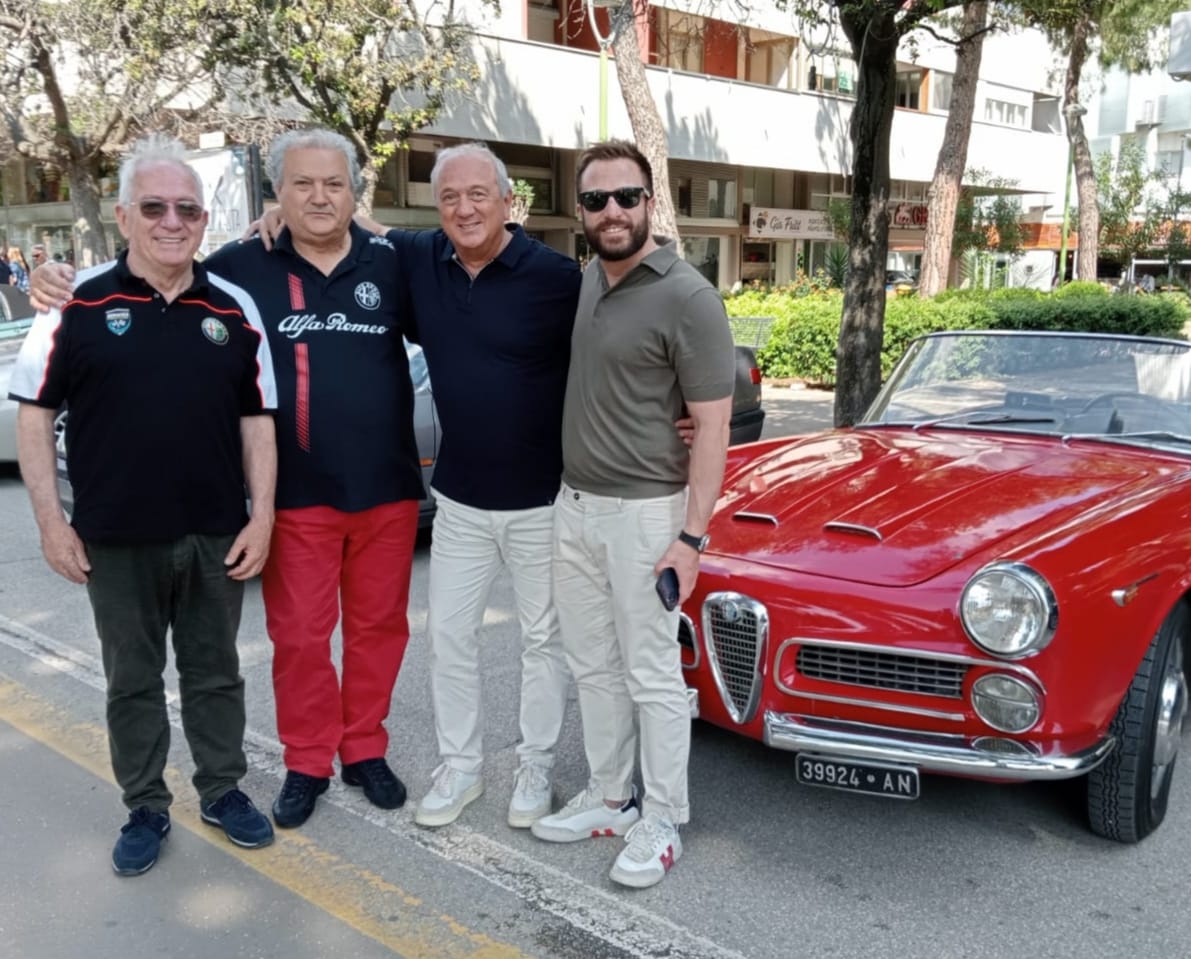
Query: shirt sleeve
{"x": 41, "y": 374}
{"x": 258, "y": 392}
{"x": 706, "y": 357}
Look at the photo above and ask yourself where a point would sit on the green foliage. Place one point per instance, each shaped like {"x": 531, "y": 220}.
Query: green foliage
{"x": 805, "y": 330}
{"x": 1080, "y": 288}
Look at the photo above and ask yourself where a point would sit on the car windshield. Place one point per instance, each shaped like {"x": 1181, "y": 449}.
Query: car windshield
{"x": 1129, "y": 389}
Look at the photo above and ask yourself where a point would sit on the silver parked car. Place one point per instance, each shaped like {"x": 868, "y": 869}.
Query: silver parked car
{"x": 12, "y": 335}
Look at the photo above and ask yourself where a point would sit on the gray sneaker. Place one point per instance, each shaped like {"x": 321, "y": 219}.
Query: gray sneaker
{"x": 451, "y": 792}
{"x": 652, "y": 847}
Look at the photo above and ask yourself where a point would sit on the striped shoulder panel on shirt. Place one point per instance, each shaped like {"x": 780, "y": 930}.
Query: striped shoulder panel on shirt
{"x": 252, "y": 317}
{"x": 33, "y": 362}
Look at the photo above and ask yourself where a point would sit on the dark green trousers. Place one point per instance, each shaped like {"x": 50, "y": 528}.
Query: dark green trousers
{"x": 138, "y": 595}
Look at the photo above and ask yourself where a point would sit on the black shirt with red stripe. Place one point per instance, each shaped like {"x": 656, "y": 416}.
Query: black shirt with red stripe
{"x": 156, "y": 391}
{"x": 345, "y": 436}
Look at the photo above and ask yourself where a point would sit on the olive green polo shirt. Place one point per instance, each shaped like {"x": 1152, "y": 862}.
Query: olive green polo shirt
{"x": 639, "y": 351}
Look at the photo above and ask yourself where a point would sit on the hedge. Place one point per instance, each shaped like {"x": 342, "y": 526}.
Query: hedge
{"x": 801, "y": 340}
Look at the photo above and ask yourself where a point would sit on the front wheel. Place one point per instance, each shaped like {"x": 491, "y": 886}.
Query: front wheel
{"x": 1128, "y": 792}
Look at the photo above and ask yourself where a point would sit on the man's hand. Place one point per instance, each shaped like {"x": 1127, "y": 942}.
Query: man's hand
{"x": 686, "y": 429}
{"x": 686, "y": 564}
{"x": 247, "y": 556}
{"x": 269, "y": 226}
{"x": 65, "y": 553}
{"x": 50, "y": 286}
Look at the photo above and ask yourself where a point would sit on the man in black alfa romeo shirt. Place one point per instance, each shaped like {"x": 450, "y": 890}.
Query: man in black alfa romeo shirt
{"x": 167, "y": 373}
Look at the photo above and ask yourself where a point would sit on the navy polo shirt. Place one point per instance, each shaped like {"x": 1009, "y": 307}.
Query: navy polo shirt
{"x": 345, "y": 436}
{"x": 156, "y": 391}
{"x": 497, "y": 347}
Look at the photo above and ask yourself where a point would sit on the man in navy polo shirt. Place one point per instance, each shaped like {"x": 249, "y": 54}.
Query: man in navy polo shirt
{"x": 167, "y": 372}
{"x": 494, "y": 310}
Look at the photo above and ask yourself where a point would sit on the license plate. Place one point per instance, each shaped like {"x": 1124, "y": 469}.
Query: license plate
{"x": 897, "y": 782}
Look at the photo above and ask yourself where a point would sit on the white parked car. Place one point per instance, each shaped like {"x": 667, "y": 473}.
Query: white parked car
{"x": 12, "y": 335}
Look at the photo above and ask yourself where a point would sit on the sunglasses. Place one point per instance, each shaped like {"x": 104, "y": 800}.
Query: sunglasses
{"x": 626, "y": 198}
{"x": 187, "y": 210}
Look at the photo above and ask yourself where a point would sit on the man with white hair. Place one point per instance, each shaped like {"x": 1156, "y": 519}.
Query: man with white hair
{"x": 164, "y": 364}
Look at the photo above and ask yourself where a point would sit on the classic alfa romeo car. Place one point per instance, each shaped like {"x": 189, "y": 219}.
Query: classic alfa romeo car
{"x": 987, "y": 577}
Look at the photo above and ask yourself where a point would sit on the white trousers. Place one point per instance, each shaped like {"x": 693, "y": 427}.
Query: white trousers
{"x": 622, "y": 644}
{"x": 468, "y": 548}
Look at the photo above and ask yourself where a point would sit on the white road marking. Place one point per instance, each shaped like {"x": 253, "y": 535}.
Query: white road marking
{"x": 615, "y": 920}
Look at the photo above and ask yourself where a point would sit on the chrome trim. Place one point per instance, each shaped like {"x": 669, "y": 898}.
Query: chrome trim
{"x": 1124, "y": 595}
{"x": 756, "y": 517}
{"x": 744, "y": 713}
{"x": 840, "y": 527}
{"x": 690, "y": 624}
{"x": 999, "y": 664}
{"x": 1033, "y": 580}
{"x": 929, "y": 752}
{"x": 872, "y": 704}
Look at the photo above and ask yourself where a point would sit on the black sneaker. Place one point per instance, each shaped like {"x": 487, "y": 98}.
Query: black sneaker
{"x": 240, "y": 820}
{"x": 295, "y": 802}
{"x": 140, "y": 841}
{"x": 380, "y": 785}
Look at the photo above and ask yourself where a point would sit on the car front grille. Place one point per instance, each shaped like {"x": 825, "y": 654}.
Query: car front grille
{"x": 737, "y": 632}
{"x": 881, "y": 670}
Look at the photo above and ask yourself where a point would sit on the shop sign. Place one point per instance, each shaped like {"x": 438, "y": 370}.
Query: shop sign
{"x": 909, "y": 216}
{"x": 789, "y": 224}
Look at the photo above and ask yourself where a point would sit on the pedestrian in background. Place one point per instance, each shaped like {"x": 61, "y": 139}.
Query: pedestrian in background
{"x": 651, "y": 341}
{"x": 18, "y": 267}
{"x": 37, "y": 255}
{"x": 180, "y": 353}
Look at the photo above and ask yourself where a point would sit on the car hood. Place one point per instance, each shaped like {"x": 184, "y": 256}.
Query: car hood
{"x": 893, "y": 507}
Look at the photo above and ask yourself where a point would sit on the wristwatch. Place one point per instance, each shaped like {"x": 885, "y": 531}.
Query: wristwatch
{"x": 697, "y": 543}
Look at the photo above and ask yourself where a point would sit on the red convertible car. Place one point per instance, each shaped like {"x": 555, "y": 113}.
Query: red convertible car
{"x": 987, "y": 577}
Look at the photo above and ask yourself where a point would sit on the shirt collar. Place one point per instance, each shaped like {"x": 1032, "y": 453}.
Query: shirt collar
{"x": 508, "y": 257}
{"x": 127, "y": 277}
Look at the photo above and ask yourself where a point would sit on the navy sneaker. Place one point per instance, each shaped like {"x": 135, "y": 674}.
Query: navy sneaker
{"x": 140, "y": 841}
{"x": 381, "y": 786}
{"x": 242, "y": 821}
{"x": 295, "y": 802}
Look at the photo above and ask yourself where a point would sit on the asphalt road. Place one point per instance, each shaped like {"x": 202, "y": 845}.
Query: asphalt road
{"x": 771, "y": 870}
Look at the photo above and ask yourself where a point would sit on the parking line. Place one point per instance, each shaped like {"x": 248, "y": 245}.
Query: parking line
{"x": 608, "y": 923}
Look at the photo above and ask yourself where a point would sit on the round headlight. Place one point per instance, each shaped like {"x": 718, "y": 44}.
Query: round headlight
{"x": 1009, "y": 610}
{"x": 1005, "y": 702}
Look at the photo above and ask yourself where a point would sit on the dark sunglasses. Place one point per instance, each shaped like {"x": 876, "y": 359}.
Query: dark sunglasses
{"x": 626, "y": 198}
{"x": 187, "y": 210}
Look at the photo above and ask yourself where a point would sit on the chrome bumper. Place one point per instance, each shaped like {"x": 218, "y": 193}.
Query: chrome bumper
{"x": 980, "y": 758}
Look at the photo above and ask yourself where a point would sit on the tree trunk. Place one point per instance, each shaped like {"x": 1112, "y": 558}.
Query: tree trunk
{"x": 943, "y": 196}
{"x": 1085, "y": 167}
{"x": 874, "y": 38}
{"x": 368, "y": 193}
{"x": 646, "y": 122}
{"x": 90, "y": 237}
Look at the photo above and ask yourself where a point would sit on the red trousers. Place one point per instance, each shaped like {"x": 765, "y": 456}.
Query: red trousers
{"x": 319, "y": 558}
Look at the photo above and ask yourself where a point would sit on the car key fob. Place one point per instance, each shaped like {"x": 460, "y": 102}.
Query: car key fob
{"x": 667, "y": 588}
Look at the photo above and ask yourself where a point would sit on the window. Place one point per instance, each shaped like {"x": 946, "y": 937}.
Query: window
{"x": 906, "y": 89}
{"x": 703, "y": 253}
{"x": 831, "y": 72}
{"x": 757, "y": 262}
{"x": 768, "y": 59}
{"x": 940, "y": 91}
{"x": 1004, "y": 112}
{"x": 721, "y": 198}
{"x": 684, "y": 196}
{"x": 680, "y": 41}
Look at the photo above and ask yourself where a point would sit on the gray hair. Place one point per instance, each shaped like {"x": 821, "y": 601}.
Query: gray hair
{"x": 154, "y": 150}
{"x": 479, "y": 150}
{"x": 315, "y": 138}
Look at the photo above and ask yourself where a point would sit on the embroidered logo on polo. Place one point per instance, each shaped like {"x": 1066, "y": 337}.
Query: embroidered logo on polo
{"x": 119, "y": 321}
{"x": 367, "y": 295}
{"x": 297, "y": 324}
{"x": 214, "y": 330}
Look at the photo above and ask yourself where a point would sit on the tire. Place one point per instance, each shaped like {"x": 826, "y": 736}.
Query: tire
{"x": 1128, "y": 792}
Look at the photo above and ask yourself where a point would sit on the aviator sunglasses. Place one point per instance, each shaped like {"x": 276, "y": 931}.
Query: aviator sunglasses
{"x": 187, "y": 210}
{"x": 626, "y": 198}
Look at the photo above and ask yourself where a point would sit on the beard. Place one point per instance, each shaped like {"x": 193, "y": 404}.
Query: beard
{"x": 624, "y": 248}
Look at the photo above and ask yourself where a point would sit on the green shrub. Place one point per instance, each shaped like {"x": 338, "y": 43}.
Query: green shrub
{"x": 801, "y": 342}
{"x": 1080, "y": 288}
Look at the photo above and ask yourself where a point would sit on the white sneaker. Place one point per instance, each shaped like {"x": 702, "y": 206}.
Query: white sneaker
{"x": 586, "y": 816}
{"x": 652, "y": 847}
{"x": 532, "y": 795}
{"x": 452, "y": 790}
